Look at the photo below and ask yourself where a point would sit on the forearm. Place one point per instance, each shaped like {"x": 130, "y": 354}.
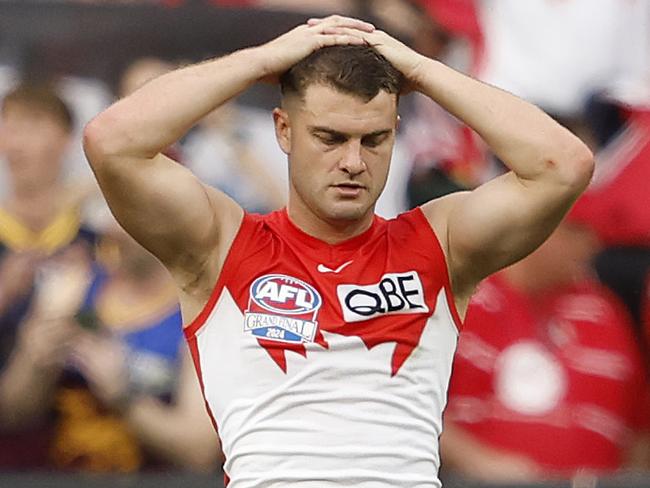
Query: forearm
{"x": 527, "y": 140}
{"x": 188, "y": 441}
{"x": 163, "y": 110}
{"x": 25, "y": 391}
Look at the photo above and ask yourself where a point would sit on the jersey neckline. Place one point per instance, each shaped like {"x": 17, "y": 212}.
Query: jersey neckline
{"x": 317, "y": 244}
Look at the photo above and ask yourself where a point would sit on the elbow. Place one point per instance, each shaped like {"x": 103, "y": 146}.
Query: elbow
{"x": 576, "y": 167}
{"x": 97, "y": 141}
{"x": 106, "y": 139}
{"x": 584, "y": 166}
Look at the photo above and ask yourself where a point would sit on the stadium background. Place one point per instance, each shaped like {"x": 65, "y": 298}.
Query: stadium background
{"x": 87, "y": 45}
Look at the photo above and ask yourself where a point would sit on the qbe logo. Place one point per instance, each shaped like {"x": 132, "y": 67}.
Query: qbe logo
{"x": 395, "y": 293}
{"x": 282, "y": 308}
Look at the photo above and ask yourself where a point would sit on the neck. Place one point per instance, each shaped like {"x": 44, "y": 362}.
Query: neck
{"x": 35, "y": 207}
{"x": 326, "y": 230}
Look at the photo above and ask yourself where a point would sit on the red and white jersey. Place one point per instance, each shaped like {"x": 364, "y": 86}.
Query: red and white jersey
{"x": 556, "y": 377}
{"x": 328, "y": 365}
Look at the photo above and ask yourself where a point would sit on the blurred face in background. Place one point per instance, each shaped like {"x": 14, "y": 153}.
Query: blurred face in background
{"x": 33, "y": 142}
{"x": 565, "y": 257}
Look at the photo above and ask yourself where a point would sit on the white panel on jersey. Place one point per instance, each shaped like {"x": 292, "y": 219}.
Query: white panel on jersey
{"x": 337, "y": 417}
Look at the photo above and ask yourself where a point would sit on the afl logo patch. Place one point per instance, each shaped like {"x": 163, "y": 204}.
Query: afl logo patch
{"x": 282, "y": 308}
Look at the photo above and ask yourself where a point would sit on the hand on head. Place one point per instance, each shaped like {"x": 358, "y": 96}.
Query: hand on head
{"x": 336, "y": 30}
{"x": 286, "y": 50}
{"x": 402, "y": 57}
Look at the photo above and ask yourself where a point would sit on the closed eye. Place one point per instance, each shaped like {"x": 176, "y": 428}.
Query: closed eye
{"x": 330, "y": 138}
{"x": 373, "y": 141}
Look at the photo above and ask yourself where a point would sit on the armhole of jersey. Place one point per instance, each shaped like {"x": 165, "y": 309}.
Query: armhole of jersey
{"x": 195, "y": 325}
{"x": 458, "y": 322}
{"x": 196, "y": 361}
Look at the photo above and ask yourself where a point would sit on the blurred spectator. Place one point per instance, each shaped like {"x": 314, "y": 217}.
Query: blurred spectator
{"x": 616, "y": 203}
{"x": 130, "y": 399}
{"x": 39, "y": 225}
{"x": 548, "y": 380}
{"x": 94, "y": 373}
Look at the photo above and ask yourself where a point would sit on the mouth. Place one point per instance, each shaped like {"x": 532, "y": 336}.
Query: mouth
{"x": 349, "y": 189}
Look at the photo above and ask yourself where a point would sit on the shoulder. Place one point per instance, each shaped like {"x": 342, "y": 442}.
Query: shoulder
{"x": 437, "y": 213}
{"x": 413, "y": 232}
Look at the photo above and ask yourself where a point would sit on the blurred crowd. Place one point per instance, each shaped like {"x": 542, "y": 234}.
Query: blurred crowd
{"x": 551, "y": 375}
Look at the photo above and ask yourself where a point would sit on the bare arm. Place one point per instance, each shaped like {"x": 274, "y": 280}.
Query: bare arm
{"x": 505, "y": 219}
{"x": 158, "y": 202}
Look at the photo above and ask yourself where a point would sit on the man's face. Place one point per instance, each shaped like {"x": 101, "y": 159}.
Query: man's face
{"x": 339, "y": 150}
{"x": 33, "y": 142}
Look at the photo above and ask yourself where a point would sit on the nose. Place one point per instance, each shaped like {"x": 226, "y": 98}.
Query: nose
{"x": 351, "y": 161}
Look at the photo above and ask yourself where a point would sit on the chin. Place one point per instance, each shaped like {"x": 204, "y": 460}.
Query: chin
{"x": 346, "y": 211}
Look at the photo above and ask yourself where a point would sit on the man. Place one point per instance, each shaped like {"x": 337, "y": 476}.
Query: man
{"x": 323, "y": 335}
{"x": 545, "y": 349}
{"x": 40, "y": 225}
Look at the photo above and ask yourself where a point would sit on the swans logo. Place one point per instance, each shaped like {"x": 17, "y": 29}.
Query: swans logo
{"x": 282, "y": 308}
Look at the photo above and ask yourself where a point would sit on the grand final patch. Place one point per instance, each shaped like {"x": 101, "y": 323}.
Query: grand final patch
{"x": 283, "y": 309}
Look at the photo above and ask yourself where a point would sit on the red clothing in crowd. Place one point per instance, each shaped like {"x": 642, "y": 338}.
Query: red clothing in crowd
{"x": 556, "y": 378}
{"x": 615, "y": 202}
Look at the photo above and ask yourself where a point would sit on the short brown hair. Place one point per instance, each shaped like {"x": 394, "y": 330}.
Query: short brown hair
{"x": 41, "y": 97}
{"x": 355, "y": 70}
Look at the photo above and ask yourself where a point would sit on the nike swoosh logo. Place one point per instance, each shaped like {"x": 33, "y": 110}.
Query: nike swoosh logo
{"x": 324, "y": 269}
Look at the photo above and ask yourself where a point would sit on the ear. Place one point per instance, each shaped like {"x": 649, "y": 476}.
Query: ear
{"x": 282, "y": 129}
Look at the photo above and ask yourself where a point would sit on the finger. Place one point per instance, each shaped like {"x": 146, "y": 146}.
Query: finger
{"x": 338, "y": 20}
{"x": 346, "y": 31}
{"x": 341, "y": 40}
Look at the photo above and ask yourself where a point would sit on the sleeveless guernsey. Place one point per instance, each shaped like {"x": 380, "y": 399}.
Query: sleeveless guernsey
{"x": 328, "y": 365}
